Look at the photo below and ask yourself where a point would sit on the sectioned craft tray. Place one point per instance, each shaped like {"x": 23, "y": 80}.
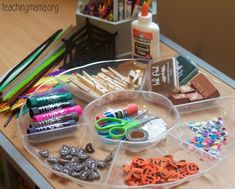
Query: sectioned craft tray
{"x": 170, "y": 142}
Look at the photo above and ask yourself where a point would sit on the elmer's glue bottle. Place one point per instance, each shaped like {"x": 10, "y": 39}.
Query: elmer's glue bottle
{"x": 145, "y": 36}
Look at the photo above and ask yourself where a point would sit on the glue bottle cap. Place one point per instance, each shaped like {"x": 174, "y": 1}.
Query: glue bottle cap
{"x": 145, "y": 9}
{"x": 132, "y": 109}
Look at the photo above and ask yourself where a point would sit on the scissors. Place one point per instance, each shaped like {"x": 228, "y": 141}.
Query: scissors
{"x": 118, "y": 128}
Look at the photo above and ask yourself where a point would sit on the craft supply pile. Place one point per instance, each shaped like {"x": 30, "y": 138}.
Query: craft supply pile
{"x": 121, "y": 115}
{"x": 157, "y": 170}
{"x": 117, "y": 122}
{"x": 112, "y": 10}
{"x": 209, "y": 135}
{"x": 76, "y": 161}
{"x": 126, "y": 124}
{"x": 107, "y": 80}
{"x": 51, "y": 111}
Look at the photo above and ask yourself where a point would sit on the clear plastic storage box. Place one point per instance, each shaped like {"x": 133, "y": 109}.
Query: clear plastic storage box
{"x": 172, "y": 141}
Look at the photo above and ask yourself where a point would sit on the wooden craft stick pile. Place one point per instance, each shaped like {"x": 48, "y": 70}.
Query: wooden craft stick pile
{"x": 106, "y": 81}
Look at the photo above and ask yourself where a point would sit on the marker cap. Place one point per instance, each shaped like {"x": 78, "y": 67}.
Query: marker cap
{"x": 74, "y": 116}
{"x": 72, "y": 122}
{"x": 33, "y": 111}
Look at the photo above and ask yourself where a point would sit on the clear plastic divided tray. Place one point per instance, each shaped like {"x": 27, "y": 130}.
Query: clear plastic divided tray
{"x": 173, "y": 140}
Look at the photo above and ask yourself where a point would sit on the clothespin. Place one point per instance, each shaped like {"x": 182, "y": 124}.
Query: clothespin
{"x": 80, "y": 85}
{"x": 91, "y": 85}
{"x": 119, "y": 75}
{"x": 113, "y": 76}
{"x": 137, "y": 76}
{"x": 112, "y": 81}
{"x": 106, "y": 84}
{"x": 97, "y": 84}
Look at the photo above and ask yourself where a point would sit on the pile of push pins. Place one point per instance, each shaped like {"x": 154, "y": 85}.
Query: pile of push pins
{"x": 209, "y": 135}
{"x": 77, "y": 162}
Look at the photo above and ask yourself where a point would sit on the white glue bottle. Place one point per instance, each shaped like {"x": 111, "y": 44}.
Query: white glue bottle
{"x": 145, "y": 37}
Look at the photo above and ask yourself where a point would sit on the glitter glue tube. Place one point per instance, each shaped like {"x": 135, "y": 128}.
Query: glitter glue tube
{"x": 59, "y": 119}
{"x": 50, "y": 99}
{"x": 129, "y": 110}
{"x": 51, "y": 127}
{"x": 59, "y": 112}
{"x": 50, "y": 107}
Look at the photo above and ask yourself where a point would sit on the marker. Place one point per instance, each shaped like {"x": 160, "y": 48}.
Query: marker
{"x": 50, "y": 99}
{"x": 50, "y": 127}
{"x": 129, "y": 110}
{"x": 120, "y": 10}
{"x": 59, "y": 112}
{"x": 136, "y": 9}
{"x": 56, "y": 90}
{"x": 44, "y": 109}
{"x": 128, "y": 9}
{"x": 59, "y": 119}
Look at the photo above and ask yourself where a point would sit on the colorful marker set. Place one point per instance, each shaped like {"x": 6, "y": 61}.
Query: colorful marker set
{"x": 112, "y": 10}
{"x": 52, "y": 111}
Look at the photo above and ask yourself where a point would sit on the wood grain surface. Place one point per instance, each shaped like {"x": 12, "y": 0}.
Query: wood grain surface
{"x": 20, "y": 33}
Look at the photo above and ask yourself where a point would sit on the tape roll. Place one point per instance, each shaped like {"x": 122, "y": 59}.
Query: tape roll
{"x": 137, "y": 135}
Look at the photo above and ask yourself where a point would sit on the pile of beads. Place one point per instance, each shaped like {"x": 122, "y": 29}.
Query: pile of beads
{"x": 76, "y": 162}
{"x": 209, "y": 135}
{"x": 157, "y": 170}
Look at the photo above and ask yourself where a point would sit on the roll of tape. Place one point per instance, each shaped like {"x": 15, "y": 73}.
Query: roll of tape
{"x": 137, "y": 135}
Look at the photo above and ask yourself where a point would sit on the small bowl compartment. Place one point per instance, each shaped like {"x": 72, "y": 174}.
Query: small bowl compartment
{"x": 154, "y": 103}
{"x": 224, "y": 109}
{"x": 79, "y": 139}
{"x": 168, "y": 146}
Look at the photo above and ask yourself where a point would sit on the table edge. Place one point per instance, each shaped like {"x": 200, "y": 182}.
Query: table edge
{"x": 23, "y": 163}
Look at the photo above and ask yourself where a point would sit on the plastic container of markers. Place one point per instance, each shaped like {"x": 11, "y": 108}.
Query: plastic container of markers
{"x": 175, "y": 140}
{"x": 49, "y": 116}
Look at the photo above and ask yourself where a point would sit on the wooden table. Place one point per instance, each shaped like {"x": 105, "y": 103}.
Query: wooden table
{"x": 19, "y": 34}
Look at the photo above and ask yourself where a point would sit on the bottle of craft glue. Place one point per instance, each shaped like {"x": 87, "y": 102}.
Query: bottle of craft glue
{"x": 145, "y": 36}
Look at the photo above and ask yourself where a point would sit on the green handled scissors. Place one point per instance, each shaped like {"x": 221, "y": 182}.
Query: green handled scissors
{"x": 118, "y": 128}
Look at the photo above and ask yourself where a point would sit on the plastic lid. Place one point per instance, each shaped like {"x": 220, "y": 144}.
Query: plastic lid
{"x": 72, "y": 103}
{"x": 31, "y": 102}
{"x": 68, "y": 95}
{"x": 33, "y": 111}
{"x": 72, "y": 122}
{"x": 145, "y": 9}
{"x": 99, "y": 116}
{"x": 132, "y": 109}
{"x": 74, "y": 116}
{"x": 34, "y": 124}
